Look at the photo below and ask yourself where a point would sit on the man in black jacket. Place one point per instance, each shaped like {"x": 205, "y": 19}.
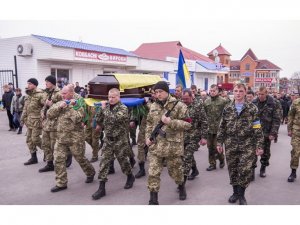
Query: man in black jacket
{"x": 6, "y": 99}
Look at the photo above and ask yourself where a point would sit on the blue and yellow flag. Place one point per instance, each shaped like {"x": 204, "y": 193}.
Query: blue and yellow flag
{"x": 183, "y": 74}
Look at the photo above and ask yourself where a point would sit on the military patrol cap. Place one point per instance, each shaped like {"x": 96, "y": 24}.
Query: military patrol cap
{"x": 163, "y": 85}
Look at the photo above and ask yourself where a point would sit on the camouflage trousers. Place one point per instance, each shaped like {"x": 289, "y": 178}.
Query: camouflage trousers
{"x": 129, "y": 152}
{"x": 92, "y": 137}
{"x": 77, "y": 149}
{"x": 295, "y": 153}
{"x": 213, "y": 154}
{"x": 141, "y": 144}
{"x": 188, "y": 157}
{"x": 132, "y": 132}
{"x": 33, "y": 139}
{"x": 239, "y": 161}
{"x": 265, "y": 157}
{"x": 175, "y": 170}
{"x": 114, "y": 147}
{"x": 48, "y": 143}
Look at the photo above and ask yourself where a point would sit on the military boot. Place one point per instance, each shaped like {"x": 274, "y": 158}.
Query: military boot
{"x": 69, "y": 160}
{"x": 32, "y": 160}
{"x": 129, "y": 182}
{"x": 48, "y": 167}
{"x": 132, "y": 161}
{"x": 182, "y": 191}
{"x": 194, "y": 173}
{"x": 133, "y": 141}
{"x": 242, "y": 198}
{"x": 141, "y": 172}
{"x": 94, "y": 159}
{"x": 20, "y": 130}
{"x": 111, "y": 167}
{"x": 262, "y": 172}
{"x": 100, "y": 192}
{"x": 293, "y": 176}
{"x": 235, "y": 196}
{"x": 153, "y": 198}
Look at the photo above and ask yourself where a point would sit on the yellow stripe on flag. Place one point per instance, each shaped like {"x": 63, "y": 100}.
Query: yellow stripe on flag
{"x": 257, "y": 126}
{"x": 186, "y": 73}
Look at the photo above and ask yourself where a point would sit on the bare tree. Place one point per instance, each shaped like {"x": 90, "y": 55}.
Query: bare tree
{"x": 295, "y": 81}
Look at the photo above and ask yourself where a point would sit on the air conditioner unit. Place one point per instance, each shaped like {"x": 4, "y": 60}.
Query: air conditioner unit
{"x": 25, "y": 49}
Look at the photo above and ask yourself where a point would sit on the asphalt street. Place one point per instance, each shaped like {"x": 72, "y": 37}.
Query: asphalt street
{"x": 24, "y": 185}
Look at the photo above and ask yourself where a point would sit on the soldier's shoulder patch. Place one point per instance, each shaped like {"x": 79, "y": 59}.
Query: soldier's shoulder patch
{"x": 256, "y": 124}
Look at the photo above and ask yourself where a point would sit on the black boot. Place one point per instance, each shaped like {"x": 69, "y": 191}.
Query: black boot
{"x": 129, "y": 182}
{"x": 262, "y": 172}
{"x": 153, "y": 198}
{"x": 32, "y": 160}
{"x": 133, "y": 141}
{"x": 141, "y": 172}
{"x": 48, "y": 167}
{"x": 69, "y": 160}
{"x": 111, "y": 168}
{"x": 293, "y": 176}
{"x": 242, "y": 198}
{"x": 132, "y": 161}
{"x": 20, "y": 130}
{"x": 194, "y": 173}
{"x": 211, "y": 167}
{"x": 100, "y": 192}
{"x": 182, "y": 191}
{"x": 235, "y": 196}
{"x": 252, "y": 174}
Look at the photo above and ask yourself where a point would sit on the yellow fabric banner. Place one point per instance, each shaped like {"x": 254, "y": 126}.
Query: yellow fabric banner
{"x": 91, "y": 101}
{"x": 130, "y": 81}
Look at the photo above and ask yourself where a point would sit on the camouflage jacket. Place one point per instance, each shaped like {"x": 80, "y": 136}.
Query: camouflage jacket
{"x": 115, "y": 121}
{"x": 51, "y": 125}
{"x": 33, "y": 105}
{"x": 294, "y": 118}
{"x": 214, "y": 107}
{"x": 198, "y": 118}
{"x": 240, "y": 130}
{"x": 69, "y": 123}
{"x": 269, "y": 115}
{"x": 173, "y": 143}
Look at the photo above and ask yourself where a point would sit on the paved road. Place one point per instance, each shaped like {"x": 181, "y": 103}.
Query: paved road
{"x": 24, "y": 185}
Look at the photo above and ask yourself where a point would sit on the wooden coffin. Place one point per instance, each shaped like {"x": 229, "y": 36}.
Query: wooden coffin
{"x": 99, "y": 86}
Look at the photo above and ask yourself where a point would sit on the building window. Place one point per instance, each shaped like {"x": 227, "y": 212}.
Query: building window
{"x": 247, "y": 79}
{"x": 247, "y": 66}
{"x": 62, "y": 76}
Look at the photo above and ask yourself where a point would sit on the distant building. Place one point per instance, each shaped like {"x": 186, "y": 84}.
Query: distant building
{"x": 255, "y": 72}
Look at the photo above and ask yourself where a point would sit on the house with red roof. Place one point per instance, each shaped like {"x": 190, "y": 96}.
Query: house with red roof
{"x": 203, "y": 70}
{"x": 255, "y": 72}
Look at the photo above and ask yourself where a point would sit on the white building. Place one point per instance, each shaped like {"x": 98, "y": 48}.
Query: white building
{"x": 70, "y": 61}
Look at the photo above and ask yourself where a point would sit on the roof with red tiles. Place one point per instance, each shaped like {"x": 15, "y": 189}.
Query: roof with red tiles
{"x": 266, "y": 64}
{"x": 162, "y": 50}
{"x": 221, "y": 50}
{"x": 235, "y": 65}
{"x": 251, "y": 54}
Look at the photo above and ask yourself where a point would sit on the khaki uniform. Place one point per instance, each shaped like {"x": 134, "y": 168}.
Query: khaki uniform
{"x": 31, "y": 117}
{"x": 169, "y": 148}
{"x": 70, "y": 136}
{"x": 50, "y": 127}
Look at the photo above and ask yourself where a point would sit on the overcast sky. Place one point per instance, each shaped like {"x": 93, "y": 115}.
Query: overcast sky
{"x": 271, "y": 31}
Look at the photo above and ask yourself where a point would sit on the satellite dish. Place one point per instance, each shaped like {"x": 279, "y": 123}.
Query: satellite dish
{"x": 215, "y": 53}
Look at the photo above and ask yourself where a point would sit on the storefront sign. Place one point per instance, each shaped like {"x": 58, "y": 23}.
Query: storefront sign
{"x": 107, "y": 57}
{"x": 264, "y": 80}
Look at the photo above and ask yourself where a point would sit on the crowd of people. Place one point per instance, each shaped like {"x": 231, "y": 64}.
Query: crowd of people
{"x": 236, "y": 131}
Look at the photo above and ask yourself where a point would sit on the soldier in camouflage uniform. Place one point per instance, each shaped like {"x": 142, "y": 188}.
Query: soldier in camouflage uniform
{"x": 240, "y": 131}
{"x": 49, "y": 126}
{"x": 169, "y": 147}
{"x": 197, "y": 133}
{"x": 114, "y": 118}
{"x": 294, "y": 132}
{"x": 141, "y": 138}
{"x": 269, "y": 113}
{"x": 214, "y": 107}
{"x": 92, "y": 135}
{"x": 31, "y": 117}
{"x": 70, "y": 136}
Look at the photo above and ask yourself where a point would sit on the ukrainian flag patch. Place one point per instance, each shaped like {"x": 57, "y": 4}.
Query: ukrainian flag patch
{"x": 256, "y": 124}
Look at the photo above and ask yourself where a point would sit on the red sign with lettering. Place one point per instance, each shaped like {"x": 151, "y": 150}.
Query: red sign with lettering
{"x": 102, "y": 56}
